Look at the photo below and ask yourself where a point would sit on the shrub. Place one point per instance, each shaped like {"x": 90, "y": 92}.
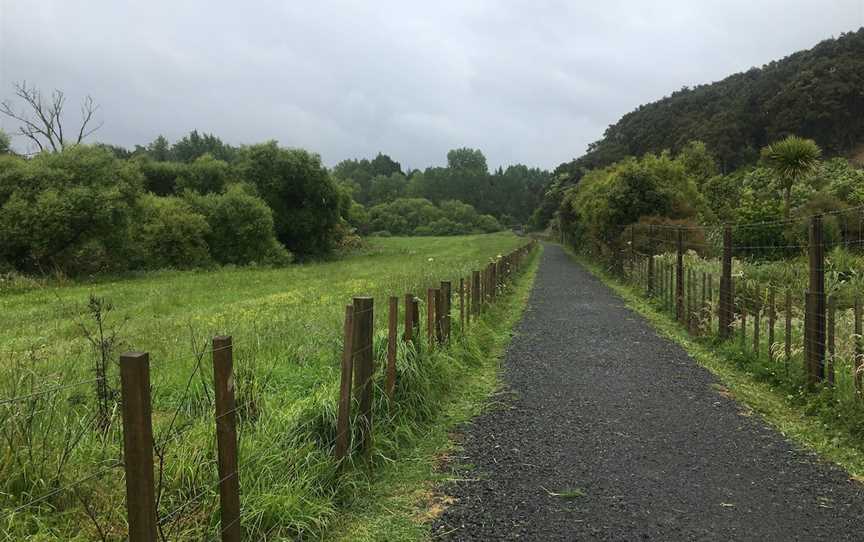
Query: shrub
{"x": 240, "y": 227}
{"x": 306, "y": 203}
{"x": 160, "y": 178}
{"x": 170, "y": 234}
{"x": 204, "y": 175}
{"x": 66, "y": 211}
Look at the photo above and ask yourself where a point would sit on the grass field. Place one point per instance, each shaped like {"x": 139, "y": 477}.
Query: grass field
{"x": 286, "y": 325}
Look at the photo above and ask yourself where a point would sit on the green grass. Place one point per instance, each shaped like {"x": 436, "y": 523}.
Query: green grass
{"x": 811, "y": 420}
{"x": 404, "y": 499}
{"x": 286, "y": 325}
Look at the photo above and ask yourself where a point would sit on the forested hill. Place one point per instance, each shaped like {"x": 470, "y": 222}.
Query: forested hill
{"x": 817, "y": 93}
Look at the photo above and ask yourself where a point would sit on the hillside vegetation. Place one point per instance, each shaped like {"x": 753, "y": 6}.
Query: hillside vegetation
{"x": 817, "y": 93}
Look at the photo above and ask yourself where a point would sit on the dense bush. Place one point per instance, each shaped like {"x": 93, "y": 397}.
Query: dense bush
{"x": 66, "y": 211}
{"x": 306, "y": 204}
{"x": 169, "y": 234}
{"x": 240, "y": 227}
{"x": 418, "y": 216}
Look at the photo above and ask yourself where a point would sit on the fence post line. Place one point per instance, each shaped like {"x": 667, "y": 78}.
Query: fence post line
{"x": 392, "y": 323}
{"x": 462, "y": 304}
{"x": 724, "y": 303}
{"x": 226, "y": 438}
{"x": 814, "y": 318}
{"x": 363, "y": 368}
{"x": 343, "y": 417}
{"x": 679, "y": 276}
{"x": 138, "y": 446}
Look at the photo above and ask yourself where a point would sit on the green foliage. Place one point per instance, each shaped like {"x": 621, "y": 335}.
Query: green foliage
{"x": 170, "y": 234}
{"x": 196, "y": 145}
{"x": 204, "y": 175}
{"x": 67, "y": 210}
{"x": 606, "y": 200}
{"x": 160, "y": 178}
{"x": 791, "y": 159}
{"x": 814, "y": 93}
{"x": 418, "y": 216}
{"x": 305, "y": 201}
{"x": 240, "y": 227}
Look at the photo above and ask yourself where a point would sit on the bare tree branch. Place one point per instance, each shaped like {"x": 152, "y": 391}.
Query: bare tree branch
{"x": 42, "y": 121}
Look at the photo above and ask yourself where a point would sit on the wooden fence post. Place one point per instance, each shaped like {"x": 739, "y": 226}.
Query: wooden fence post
{"x": 829, "y": 361}
{"x": 787, "y": 347}
{"x": 475, "y": 293}
{"x": 708, "y": 312}
{"x": 859, "y": 345}
{"x": 462, "y": 304}
{"x": 408, "y": 334}
{"x": 447, "y": 302}
{"x": 757, "y": 314}
{"x": 226, "y": 438}
{"x": 814, "y": 318}
{"x": 724, "y": 304}
{"x": 439, "y": 316}
{"x": 679, "y": 277}
{"x": 469, "y": 308}
{"x": 343, "y": 417}
{"x": 415, "y": 317}
{"x": 430, "y": 317}
{"x": 364, "y": 368}
{"x": 772, "y": 319}
{"x": 138, "y": 446}
{"x": 392, "y": 322}
{"x": 743, "y": 327}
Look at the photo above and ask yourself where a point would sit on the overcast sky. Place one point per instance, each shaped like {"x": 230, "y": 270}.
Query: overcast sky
{"x": 525, "y": 81}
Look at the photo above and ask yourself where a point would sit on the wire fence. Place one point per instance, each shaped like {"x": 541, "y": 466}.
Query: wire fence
{"x": 788, "y": 293}
{"x": 151, "y": 513}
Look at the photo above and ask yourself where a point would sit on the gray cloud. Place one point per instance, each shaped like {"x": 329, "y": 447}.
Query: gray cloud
{"x": 530, "y": 82}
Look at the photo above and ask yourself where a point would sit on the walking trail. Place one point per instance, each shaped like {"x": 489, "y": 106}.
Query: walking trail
{"x": 614, "y": 433}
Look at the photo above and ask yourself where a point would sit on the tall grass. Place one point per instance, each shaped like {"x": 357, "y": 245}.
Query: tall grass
{"x": 286, "y": 328}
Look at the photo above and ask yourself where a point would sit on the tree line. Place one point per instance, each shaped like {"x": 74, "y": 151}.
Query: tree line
{"x": 85, "y": 209}
{"x": 815, "y": 94}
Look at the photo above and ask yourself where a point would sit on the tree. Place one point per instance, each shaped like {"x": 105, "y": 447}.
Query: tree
{"x": 307, "y": 205}
{"x": 159, "y": 149}
{"x": 196, "y": 145}
{"x": 42, "y": 120}
{"x": 791, "y": 159}
{"x": 68, "y": 210}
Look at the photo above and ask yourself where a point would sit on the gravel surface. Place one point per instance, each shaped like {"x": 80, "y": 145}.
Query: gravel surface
{"x": 611, "y": 432}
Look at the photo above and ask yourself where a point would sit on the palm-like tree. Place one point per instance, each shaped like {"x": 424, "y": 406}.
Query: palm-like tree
{"x": 791, "y": 158}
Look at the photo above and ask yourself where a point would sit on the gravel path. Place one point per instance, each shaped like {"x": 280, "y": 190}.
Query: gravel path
{"x": 614, "y": 433}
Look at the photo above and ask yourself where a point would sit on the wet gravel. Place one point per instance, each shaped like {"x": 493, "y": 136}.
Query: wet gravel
{"x": 611, "y": 432}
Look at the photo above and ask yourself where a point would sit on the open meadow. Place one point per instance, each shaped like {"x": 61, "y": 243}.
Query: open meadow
{"x": 60, "y": 449}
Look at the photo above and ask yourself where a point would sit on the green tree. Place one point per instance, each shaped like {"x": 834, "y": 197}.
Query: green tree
{"x": 791, "y": 159}
{"x": 159, "y": 149}
{"x": 307, "y": 205}
{"x": 195, "y": 145}
{"x": 204, "y": 175}
{"x": 68, "y": 210}
{"x": 241, "y": 227}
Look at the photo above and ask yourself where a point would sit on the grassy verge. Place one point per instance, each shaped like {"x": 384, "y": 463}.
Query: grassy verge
{"x": 286, "y": 326}
{"x": 402, "y": 499}
{"x": 788, "y": 412}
